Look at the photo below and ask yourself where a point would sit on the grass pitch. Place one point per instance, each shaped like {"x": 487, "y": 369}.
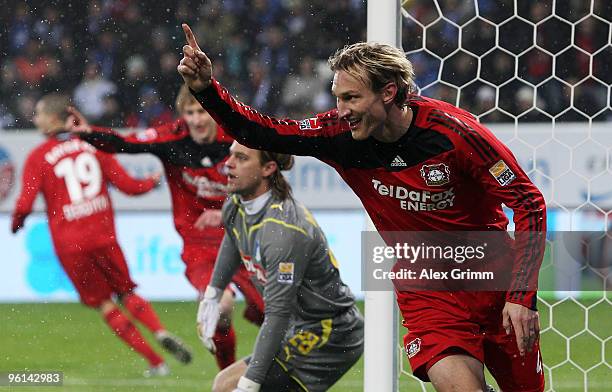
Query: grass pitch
{"x": 75, "y": 340}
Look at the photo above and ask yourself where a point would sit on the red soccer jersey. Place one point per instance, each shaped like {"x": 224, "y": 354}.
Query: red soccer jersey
{"x": 72, "y": 176}
{"x": 195, "y": 173}
{"x": 447, "y": 172}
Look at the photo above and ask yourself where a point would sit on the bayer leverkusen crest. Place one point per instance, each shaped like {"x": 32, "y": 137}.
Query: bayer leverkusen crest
{"x": 435, "y": 175}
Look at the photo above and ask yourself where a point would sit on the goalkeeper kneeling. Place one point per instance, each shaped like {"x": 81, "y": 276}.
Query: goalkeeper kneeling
{"x": 312, "y": 333}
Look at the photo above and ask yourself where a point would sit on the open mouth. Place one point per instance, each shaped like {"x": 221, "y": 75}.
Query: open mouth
{"x": 354, "y": 122}
{"x": 231, "y": 176}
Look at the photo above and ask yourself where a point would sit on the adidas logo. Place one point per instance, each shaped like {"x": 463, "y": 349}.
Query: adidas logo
{"x": 398, "y": 161}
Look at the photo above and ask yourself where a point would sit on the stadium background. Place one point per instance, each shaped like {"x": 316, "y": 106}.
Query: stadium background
{"x": 118, "y": 60}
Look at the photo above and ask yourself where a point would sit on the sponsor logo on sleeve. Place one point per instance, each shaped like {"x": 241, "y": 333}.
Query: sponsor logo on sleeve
{"x": 147, "y": 134}
{"x": 413, "y": 347}
{"x": 206, "y": 162}
{"x": 309, "y": 124}
{"x": 285, "y": 272}
{"x": 502, "y": 173}
{"x": 436, "y": 175}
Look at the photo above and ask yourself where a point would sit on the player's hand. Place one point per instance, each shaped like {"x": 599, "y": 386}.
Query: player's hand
{"x": 525, "y": 323}
{"x": 76, "y": 122}
{"x": 247, "y": 385}
{"x": 208, "y": 317}
{"x": 209, "y": 218}
{"x": 156, "y": 178}
{"x": 195, "y": 67}
{"x": 17, "y": 223}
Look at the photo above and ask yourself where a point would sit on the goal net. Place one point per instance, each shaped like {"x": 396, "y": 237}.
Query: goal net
{"x": 538, "y": 73}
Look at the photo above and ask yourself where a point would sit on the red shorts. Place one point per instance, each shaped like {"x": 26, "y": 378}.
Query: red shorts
{"x": 446, "y": 323}
{"x": 200, "y": 262}
{"x": 98, "y": 273}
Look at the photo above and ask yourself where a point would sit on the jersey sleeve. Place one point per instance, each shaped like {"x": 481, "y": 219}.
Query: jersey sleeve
{"x": 119, "y": 177}
{"x": 31, "y": 184}
{"x": 285, "y": 255}
{"x": 151, "y": 140}
{"x": 228, "y": 258}
{"x": 311, "y": 136}
{"x": 227, "y": 263}
{"x": 488, "y": 161}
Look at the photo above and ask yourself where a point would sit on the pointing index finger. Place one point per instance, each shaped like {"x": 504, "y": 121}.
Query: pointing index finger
{"x": 191, "y": 40}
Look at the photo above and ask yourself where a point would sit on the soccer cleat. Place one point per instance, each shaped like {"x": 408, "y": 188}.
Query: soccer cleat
{"x": 174, "y": 346}
{"x": 160, "y": 370}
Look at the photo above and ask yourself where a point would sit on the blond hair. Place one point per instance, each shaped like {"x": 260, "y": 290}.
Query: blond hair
{"x": 376, "y": 65}
{"x": 184, "y": 98}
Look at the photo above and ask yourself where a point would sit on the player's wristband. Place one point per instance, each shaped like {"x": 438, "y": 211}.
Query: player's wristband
{"x": 212, "y": 293}
{"x": 246, "y": 385}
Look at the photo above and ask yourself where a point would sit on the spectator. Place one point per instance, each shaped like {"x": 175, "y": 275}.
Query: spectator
{"x": 136, "y": 79}
{"x": 90, "y": 93}
{"x": 7, "y": 119}
{"x": 301, "y": 90}
{"x": 105, "y": 55}
{"x": 20, "y": 31}
{"x": 167, "y": 79}
{"x": 49, "y": 28}
{"x": 32, "y": 64}
{"x": 70, "y": 59}
{"x": 112, "y": 116}
{"x": 259, "y": 90}
{"x": 25, "y": 111}
{"x": 151, "y": 111}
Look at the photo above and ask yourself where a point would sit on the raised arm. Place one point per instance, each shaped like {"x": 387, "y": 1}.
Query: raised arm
{"x": 312, "y": 136}
{"x": 151, "y": 140}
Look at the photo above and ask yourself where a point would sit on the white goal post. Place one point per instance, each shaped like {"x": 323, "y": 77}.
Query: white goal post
{"x": 381, "y": 321}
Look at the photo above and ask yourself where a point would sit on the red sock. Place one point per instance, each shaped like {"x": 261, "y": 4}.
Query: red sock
{"x": 123, "y": 327}
{"x": 142, "y": 311}
{"x": 253, "y": 314}
{"x": 225, "y": 341}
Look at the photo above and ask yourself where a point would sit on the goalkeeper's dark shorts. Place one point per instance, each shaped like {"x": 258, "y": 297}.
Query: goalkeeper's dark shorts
{"x": 441, "y": 324}
{"x": 315, "y": 356}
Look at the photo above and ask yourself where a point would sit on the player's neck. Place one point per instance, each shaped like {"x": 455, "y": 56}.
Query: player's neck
{"x": 208, "y": 138}
{"x": 53, "y": 130}
{"x": 397, "y": 124}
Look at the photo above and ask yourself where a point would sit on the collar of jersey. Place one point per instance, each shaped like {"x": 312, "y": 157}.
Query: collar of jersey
{"x": 254, "y": 206}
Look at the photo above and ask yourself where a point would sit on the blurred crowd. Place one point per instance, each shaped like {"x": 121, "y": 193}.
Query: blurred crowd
{"x": 117, "y": 58}
{"x": 518, "y": 78}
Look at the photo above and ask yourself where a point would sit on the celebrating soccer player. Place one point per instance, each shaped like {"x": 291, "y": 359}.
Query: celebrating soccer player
{"x": 380, "y": 137}
{"x": 72, "y": 176}
{"x": 289, "y": 260}
{"x": 193, "y": 150}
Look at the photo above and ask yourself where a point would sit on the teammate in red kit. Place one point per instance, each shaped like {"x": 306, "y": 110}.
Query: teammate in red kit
{"x": 72, "y": 176}
{"x": 454, "y": 175}
{"x": 193, "y": 150}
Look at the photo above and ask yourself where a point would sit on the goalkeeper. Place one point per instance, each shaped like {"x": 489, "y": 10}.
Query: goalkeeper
{"x": 312, "y": 332}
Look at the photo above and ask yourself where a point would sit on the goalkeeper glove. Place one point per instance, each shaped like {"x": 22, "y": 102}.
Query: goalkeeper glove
{"x": 246, "y": 385}
{"x": 208, "y": 317}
